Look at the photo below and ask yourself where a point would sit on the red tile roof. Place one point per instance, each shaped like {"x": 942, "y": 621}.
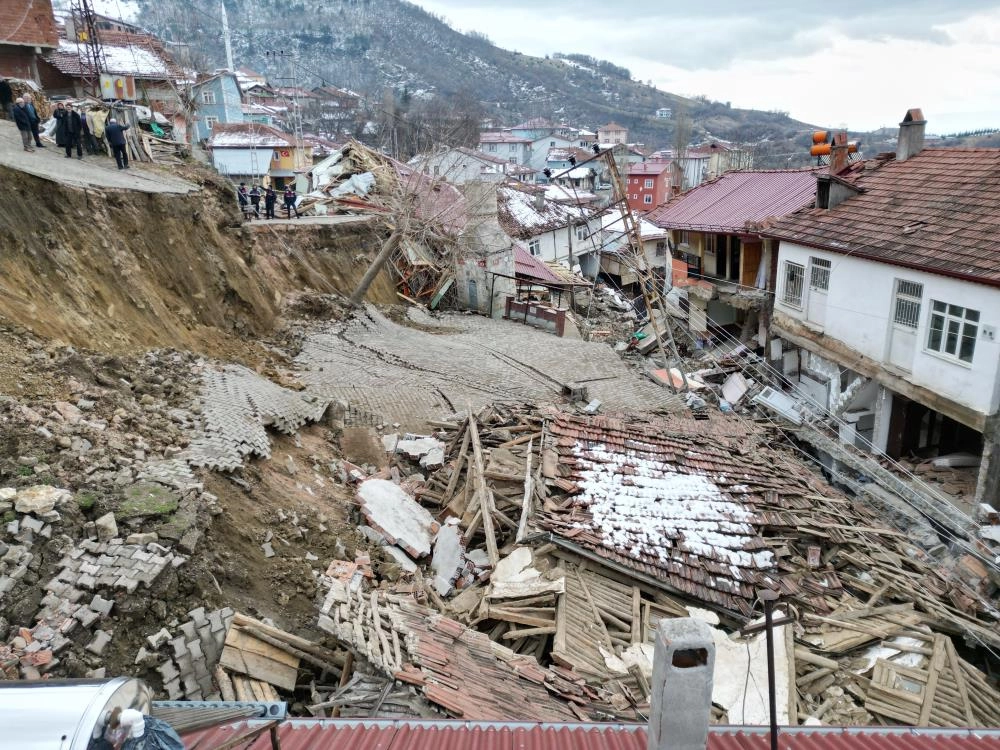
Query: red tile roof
{"x": 526, "y": 264}
{"x": 938, "y": 211}
{"x": 355, "y": 734}
{"x": 738, "y": 201}
{"x": 649, "y": 167}
{"x": 28, "y": 23}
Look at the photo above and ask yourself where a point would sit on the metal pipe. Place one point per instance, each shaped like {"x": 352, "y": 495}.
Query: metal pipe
{"x": 768, "y": 597}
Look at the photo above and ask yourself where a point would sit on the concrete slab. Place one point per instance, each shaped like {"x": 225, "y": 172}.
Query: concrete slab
{"x": 448, "y": 558}
{"x": 397, "y": 516}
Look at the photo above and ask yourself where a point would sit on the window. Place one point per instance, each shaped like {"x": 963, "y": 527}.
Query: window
{"x": 647, "y": 199}
{"x": 492, "y": 147}
{"x": 210, "y": 122}
{"x": 581, "y": 232}
{"x": 513, "y": 147}
{"x": 535, "y": 247}
{"x": 661, "y": 249}
{"x": 819, "y": 274}
{"x": 208, "y": 97}
{"x": 953, "y": 330}
{"x": 513, "y": 160}
{"x": 907, "y": 308}
{"x": 648, "y": 183}
{"x": 794, "y": 276}
{"x": 552, "y": 144}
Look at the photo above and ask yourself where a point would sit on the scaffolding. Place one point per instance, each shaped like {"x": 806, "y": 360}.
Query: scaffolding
{"x": 88, "y": 46}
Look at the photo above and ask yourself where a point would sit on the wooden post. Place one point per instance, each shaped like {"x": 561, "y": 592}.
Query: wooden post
{"x": 522, "y": 527}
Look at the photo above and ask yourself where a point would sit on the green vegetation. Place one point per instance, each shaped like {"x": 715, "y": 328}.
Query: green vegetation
{"x": 147, "y": 499}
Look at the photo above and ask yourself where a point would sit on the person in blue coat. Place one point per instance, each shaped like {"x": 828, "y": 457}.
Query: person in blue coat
{"x": 115, "y": 133}
{"x": 29, "y": 104}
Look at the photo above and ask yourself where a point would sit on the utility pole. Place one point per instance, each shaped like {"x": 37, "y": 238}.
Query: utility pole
{"x": 227, "y": 37}
{"x": 647, "y": 283}
{"x": 296, "y": 111}
{"x": 88, "y": 46}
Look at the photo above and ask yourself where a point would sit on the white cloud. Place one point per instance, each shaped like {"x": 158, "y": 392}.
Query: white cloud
{"x": 864, "y": 68}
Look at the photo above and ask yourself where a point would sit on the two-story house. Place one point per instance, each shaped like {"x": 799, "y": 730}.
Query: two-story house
{"x": 248, "y": 151}
{"x": 460, "y": 165}
{"x": 612, "y": 133}
{"x": 647, "y": 184}
{"x": 548, "y": 230}
{"x": 502, "y": 145}
{"x": 888, "y": 302}
{"x": 217, "y": 98}
{"x": 720, "y": 261}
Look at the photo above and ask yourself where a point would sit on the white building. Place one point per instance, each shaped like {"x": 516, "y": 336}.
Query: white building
{"x": 461, "y": 165}
{"x": 548, "y": 230}
{"x": 506, "y": 146}
{"x": 888, "y": 301}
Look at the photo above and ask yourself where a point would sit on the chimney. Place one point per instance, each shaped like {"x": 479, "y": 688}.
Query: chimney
{"x": 540, "y": 200}
{"x": 911, "y": 135}
{"x": 838, "y": 152}
{"x": 681, "y": 704}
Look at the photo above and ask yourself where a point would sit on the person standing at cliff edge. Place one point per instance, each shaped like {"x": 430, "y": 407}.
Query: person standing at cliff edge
{"x": 29, "y": 104}
{"x": 115, "y": 133}
{"x": 23, "y": 122}
{"x": 270, "y": 198}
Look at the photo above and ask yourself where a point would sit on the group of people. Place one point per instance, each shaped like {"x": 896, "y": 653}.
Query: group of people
{"x": 250, "y": 200}
{"x": 72, "y": 130}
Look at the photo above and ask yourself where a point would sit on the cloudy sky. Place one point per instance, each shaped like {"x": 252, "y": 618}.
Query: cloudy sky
{"x": 854, "y": 63}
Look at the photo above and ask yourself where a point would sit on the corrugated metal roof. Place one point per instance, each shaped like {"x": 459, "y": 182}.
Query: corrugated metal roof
{"x": 938, "y": 211}
{"x": 737, "y": 201}
{"x": 526, "y": 264}
{"x": 347, "y": 734}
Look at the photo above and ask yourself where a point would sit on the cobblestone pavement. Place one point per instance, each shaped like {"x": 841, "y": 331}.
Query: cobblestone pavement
{"x": 389, "y": 373}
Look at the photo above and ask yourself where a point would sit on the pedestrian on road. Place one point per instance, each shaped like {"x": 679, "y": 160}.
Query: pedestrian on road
{"x": 270, "y": 198}
{"x": 6, "y": 99}
{"x": 115, "y": 133}
{"x": 243, "y": 198}
{"x": 86, "y": 135}
{"x": 29, "y": 103}
{"x": 255, "y": 200}
{"x": 23, "y": 122}
{"x": 68, "y": 129}
{"x": 290, "y": 198}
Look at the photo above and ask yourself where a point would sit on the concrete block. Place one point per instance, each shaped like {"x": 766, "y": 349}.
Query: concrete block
{"x": 156, "y": 640}
{"x": 86, "y": 582}
{"x": 215, "y": 620}
{"x": 174, "y": 690}
{"x": 167, "y": 671}
{"x": 188, "y": 629}
{"x": 179, "y": 646}
{"x": 86, "y": 616}
{"x": 197, "y": 655}
{"x": 102, "y": 605}
{"x": 198, "y": 616}
{"x": 100, "y": 642}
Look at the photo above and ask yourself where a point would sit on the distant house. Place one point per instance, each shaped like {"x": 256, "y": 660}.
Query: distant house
{"x": 333, "y": 108}
{"x": 264, "y": 114}
{"x": 461, "y": 165}
{"x": 135, "y": 55}
{"x": 512, "y": 148}
{"x": 540, "y": 147}
{"x": 720, "y": 261}
{"x": 26, "y": 31}
{"x": 612, "y": 133}
{"x": 647, "y": 184}
{"x": 250, "y": 152}
{"x": 217, "y": 99}
{"x": 547, "y": 230}
{"x": 664, "y": 113}
{"x": 536, "y": 127}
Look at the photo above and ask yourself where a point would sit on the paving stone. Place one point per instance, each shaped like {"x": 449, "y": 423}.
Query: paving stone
{"x": 189, "y": 631}
{"x": 191, "y": 688}
{"x": 215, "y": 620}
{"x": 174, "y": 690}
{"x": 86, "y": 616}
{"x": 197, "y": 655}
{"x": 185, "y": 665}
{"x": 156, "y": 640}
{"x": 179, "y": 646}
{"x": 102, "y": 605}
{"x": 129, "y": 584}
{"x": 168, "y": 671}
{"x": 100, "y": 642}
{"x": 86, "y": 582}
{"x": 198, "y": 615}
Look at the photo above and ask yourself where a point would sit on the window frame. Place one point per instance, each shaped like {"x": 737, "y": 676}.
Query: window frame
{"x": 907, "y": 303}
{"x": 535, "y": 247}
{"x": 211, "y": 121}
{"x": 786, "y": 277}
{"x": 647, "y": 200}
{"x": 648, "y": 183}
{"x": 955, "y": 324}
{"x": 208, "y": 97}
{"x": 825, "y": 267}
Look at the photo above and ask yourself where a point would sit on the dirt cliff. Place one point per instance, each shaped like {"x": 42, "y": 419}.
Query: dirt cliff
{"x": 120, "y": 271}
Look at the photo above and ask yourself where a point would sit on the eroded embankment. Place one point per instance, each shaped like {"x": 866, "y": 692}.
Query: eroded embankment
{"x": 122, "y": 271}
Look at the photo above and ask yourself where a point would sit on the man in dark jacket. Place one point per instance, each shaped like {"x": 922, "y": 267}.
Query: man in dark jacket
{"x": 23, "y": 122}
{"x": 29, "y": 104}
{"x": 290, "y": 199}
{"x": 115, "y": 133}
{"x": 270, "y": 198}
{"x": 255, "y": 200}
{"x": 68, "y": 129}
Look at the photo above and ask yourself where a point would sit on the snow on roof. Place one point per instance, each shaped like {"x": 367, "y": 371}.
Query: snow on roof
{"x": 245, "y": 135}
{"x": 562, "y": 194}
{"x": 576, "y": 173}
{"x": 132, "y": 60}
{"x": 521, "y": 217}
{"x": 612, "y": 221}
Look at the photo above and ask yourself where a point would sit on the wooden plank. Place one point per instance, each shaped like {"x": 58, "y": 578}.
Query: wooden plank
{"x": 593, "y": 608}
{"x": 522, "y": 617}
{"x": 515, "y": 634}
{"x": 963, "y": 690}
{"x": 225, "y": 683}
{"x": 637, "y": 615}
{"x": 484, "y": 493}
{"x": 522, "y": 526}
{"x": 934, "y": 674}
{"x": 559, "y": 642}
{"x": 248, "y": 655}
